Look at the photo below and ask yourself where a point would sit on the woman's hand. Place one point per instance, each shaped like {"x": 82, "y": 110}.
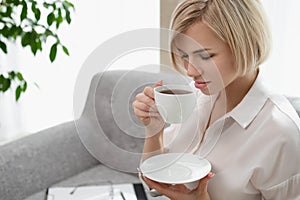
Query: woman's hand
{"x": 145, "y": 109}
{"x": 180, "y": 192}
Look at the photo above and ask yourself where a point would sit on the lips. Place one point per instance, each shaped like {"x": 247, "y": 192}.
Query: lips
{"x": 201, "y": 84}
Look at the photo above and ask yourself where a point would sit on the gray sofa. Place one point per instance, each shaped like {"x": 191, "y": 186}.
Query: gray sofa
{"x": 103, "y": 144}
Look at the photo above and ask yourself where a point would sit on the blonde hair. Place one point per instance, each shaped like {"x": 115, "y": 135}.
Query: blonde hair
{"x": 239, "y": 23}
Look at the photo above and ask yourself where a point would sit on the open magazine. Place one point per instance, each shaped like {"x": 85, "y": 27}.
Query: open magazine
{"x": 129, "y": 191}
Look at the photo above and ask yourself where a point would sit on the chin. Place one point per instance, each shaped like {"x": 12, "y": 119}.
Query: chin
{"x": 208, "y": 92}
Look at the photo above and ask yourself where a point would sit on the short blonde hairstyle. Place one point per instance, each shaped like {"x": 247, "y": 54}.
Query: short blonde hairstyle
{"x": 240, "y": 23}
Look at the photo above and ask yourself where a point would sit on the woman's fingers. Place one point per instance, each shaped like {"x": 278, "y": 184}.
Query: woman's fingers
{"x": 141, "y": 106}
{"x": 149, "y": 91}
{"x": 204, "y": 182}
{"x": 180, "y": 187}
{"x": 160, "y": 187}
{"x": 159, "y": 83}
{"x": 153, "y": 183}
{"x": 145, "y": 114}
{"x": 147, "y": 97}
{"x": 141, "y": 97}
{"x": 145, "y": 109}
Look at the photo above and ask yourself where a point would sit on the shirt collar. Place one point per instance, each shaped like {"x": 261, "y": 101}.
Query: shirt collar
{"x": 245, "y": 112}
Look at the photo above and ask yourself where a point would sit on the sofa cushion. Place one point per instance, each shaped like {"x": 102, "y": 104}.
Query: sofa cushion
{"x": 36, "y": 161}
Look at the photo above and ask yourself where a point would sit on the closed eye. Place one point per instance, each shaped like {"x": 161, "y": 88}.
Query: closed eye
{"x": 184, "y": 56}
{"x": 207, "y": 57}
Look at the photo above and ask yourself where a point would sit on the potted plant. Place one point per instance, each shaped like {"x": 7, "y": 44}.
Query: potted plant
{"x": 30, "y": 23}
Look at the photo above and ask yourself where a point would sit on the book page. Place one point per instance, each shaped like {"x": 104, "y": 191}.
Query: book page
{"x": 102, "y": 192}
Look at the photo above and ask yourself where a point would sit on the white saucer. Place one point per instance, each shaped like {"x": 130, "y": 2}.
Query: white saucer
{"x": 175, "y": 168}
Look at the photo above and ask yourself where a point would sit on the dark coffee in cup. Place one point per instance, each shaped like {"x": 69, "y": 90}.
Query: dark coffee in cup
{"x": 175, "y": 103}
{"x": 175, "y": 91}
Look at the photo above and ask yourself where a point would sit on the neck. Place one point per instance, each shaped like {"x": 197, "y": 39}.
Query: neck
{"x": 238, "y": 89}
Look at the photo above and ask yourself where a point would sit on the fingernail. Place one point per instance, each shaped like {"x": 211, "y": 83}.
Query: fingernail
{"x": 159, "y": 83}
{"x": 211, "y": 174}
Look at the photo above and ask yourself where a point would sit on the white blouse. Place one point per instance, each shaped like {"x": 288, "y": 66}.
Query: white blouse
{"x": 254, "y": 149}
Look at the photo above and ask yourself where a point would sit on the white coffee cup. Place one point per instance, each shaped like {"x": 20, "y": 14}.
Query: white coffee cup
{"x": 175, "y": 103}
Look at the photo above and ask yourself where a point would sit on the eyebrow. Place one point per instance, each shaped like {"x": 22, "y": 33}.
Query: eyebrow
{"x": 195, "y": 52}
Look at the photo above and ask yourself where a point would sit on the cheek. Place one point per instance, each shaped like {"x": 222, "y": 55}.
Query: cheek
{"x": 185, "y": 64}
{"x": 226, "y": 69}
{"x": 213, "y": 71}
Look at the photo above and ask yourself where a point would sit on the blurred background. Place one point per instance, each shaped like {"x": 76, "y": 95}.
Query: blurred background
{"x": 94, "y": 22}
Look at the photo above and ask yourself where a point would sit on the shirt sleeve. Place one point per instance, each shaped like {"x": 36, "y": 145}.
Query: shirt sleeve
{"x": 171, "y": 140}
{"x": 169, "y": 135}
{"x": 278, "y": 177}
{"x": 288, "y": 189}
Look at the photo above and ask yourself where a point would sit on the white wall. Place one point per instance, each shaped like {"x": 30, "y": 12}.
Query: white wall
{"x": 281, "y": 69}
{"x": 93, "y": 23}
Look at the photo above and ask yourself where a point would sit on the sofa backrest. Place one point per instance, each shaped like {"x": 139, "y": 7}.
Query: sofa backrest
{"x": 108, "y": 118}
{"x": 295, "y": 101}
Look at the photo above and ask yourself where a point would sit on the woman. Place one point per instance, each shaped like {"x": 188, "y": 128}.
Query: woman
{"x": 250, "y": 135}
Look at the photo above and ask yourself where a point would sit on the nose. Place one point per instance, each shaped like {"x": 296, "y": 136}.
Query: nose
{"x": 191, "y": 70}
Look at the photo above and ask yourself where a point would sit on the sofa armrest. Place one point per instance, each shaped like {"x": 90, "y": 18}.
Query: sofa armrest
{"x": 37, "y": 161}
{"x": 295, "y": 101}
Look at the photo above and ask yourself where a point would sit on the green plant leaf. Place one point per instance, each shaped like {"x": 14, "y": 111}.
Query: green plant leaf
{"x": 34, "y": 47}
{"x": 37, "y": 14}
{"x": 69, "y": 4}
{"x": 53, "y": 6}
{"x": 68, "y": 16}
{"x": 33, "y": 41}
{"x": 20, "y": 76}
{"x": 3, "y": 47}
{"x": 4, "y": 83}
{"x": 24, "y": 10}
{"x": 19, "y": 31}
{"x": 39, "y": 45}
{"x": 24, "y": 87}
{"x": 18, "y": 92}
{"x": 33, "y": 6}
{"x": 26, "y": 39}
{"x": 36, "y": 11}
{"x": 65, "y": 50}
{"x": 5, "y": 32}
{"x": 15, "y": 31}
{"x": 12, "y": 75}
{"x": 53, "y": 52}
{"x": 8, "y": 12}
{"x": 46, "y": 5}
{"x": 50, "y": 19}
{"x": 16, "y": 2}
{"x": 1, "y": 81}
{"x": 59, "y": 19}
